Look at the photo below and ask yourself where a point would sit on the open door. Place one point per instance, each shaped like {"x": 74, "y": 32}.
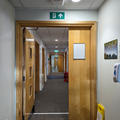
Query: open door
{"x": 29, "y": 86}
{"x": 81, "y": 96}
{"x": 29, "y": 75}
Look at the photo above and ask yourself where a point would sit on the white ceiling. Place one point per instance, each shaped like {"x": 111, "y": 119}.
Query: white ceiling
{"x": 50, "y": 34}
{"x": 57, "y": 4}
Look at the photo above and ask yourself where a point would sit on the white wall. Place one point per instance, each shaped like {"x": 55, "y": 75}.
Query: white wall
{"x": 27, "y": 14}
{"x": 109, "y": 29}
{"x": 7, "y": 61}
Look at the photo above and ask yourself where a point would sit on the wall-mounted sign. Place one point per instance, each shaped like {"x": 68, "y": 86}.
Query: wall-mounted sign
{"x": 57, "y": 15}
{"x": 79, "y": 51}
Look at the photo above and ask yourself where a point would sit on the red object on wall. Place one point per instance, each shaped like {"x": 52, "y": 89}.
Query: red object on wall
{"x": 66, "y": 77}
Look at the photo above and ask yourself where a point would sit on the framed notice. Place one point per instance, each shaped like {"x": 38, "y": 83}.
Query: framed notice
{"x": 111, "y": 49}
{"x": 79, "y": 51}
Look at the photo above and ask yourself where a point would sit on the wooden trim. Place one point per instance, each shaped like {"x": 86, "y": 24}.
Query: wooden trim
{"x": 19, "y": 57}
{"x": 60, "y": 53}
{"x": 37, "y": 69}
{"x": 55, "y": 23}
{"x": 93, "y": 74}
{"x": 43, "y": 61}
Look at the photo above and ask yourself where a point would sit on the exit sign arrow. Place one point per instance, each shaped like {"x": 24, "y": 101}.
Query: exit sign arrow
{"x": 57, "y": 15}
{"x": 60, "y": 15}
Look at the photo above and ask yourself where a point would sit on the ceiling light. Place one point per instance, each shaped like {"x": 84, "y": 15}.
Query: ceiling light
{"x": 56, "y": 40}
{"x": 76, "y": 0}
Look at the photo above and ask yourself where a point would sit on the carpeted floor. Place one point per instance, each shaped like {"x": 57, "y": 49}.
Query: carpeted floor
{"x": 53, "y": 99}
{"x": 56, "y": 76}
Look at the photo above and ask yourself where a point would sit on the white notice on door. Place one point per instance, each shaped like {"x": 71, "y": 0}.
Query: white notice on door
{"x": 79, "y": 51}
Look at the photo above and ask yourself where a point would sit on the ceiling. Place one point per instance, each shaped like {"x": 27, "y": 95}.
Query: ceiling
{"x": 57, "y": 4}
{"x": 49, "y": 34}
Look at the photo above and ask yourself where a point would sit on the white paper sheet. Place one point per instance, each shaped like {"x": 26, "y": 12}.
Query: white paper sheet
{"x": 79, "y": 51}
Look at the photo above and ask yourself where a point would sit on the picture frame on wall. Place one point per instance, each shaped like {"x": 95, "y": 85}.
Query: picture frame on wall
{"x": 111, "y": 49}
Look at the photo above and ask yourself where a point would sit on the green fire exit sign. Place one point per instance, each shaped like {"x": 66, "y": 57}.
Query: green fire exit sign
{"x": 57, "y": 15}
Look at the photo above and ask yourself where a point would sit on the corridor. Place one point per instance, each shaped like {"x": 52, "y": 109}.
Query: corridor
{"x": 78, "y": 38}
{"x": 52, "y": 102}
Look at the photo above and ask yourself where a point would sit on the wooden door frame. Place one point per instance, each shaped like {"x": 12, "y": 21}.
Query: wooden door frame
{"x": 43, "y": 60}
{"x": 19, "y": 57}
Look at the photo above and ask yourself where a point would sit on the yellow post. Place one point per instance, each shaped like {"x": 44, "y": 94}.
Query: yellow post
{"x": 100, "y": 112}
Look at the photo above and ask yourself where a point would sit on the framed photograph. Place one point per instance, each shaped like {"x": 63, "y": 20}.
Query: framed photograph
{"x": 111, "y": 50}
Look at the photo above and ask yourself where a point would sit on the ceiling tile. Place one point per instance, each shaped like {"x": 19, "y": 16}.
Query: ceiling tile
{"x": 49, "y": 35}
{"x": 50, "y": 4}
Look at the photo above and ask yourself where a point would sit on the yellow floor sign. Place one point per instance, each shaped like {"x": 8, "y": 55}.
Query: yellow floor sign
{"x": 100, "y": 112}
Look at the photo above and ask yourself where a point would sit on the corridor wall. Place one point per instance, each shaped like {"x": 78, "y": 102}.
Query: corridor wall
{"x": 109, "y": 29}
{"x": 43, "y": 15}
{"x": 7, "y": 61}
{"x": 41, "y": 45}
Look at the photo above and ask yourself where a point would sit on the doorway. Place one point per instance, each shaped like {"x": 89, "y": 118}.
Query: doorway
{"x": 50, "y": 99}
{"x": 81, "y": 102}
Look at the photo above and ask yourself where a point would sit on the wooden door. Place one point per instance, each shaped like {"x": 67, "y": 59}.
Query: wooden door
{"x": 37, "y": 61}
{"x": 60, "y": 63}
{"x": 65, "y": 61}
{"x": 29, "y": 90}
{"x": 79, "y": 76}
{"x": 43, "y": 63}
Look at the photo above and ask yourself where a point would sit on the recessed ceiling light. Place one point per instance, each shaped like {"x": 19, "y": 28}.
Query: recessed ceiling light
{"x": 76, "y": 0}
{"x": 56, "y": 40}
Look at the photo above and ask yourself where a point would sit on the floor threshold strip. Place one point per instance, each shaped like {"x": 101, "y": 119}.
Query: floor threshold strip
{"x": 62, "y": 113}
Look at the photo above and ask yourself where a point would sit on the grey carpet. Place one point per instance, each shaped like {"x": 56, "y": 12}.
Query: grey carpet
{"x": 56, "y": 76}
{"x": 49, "y": 117}
{"x": 54, "y": 98}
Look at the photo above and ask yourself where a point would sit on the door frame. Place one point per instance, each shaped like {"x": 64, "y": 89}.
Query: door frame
{"x": 19, "y": 57}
